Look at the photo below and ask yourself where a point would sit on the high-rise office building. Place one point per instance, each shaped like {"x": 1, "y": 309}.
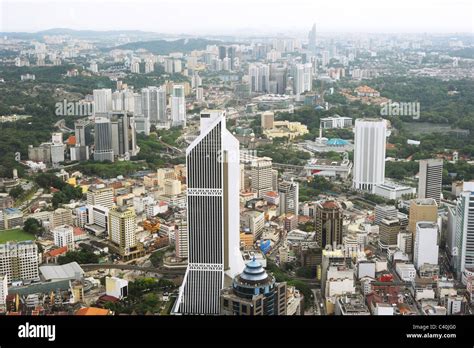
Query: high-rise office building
{"x": 178, "y": 106}
{"x": 19, "y": 260}
{"x": 103, "y": 150}
{"x": 102, "y": 100}
{"x": 464, "y": 233}
{"x": 254, "y": 292}
{"x": 124, "y": 139}
{"x": 388, "y": 233}
{"x": 422, "y": 210}
{"x": 430, "y": 179}
{"x": 302, "y": 78}
{"x": 289, "y": 197}
{"x": 329, "y": 219}
{"x": 259, "y": 77}
{"x": 80, "y": 132}
{"x": 426, "y": 244}
{"x": 213, "y": 169}
{"x": 278, "y": 78}
{"x": 261, "y": 175}
{"x": 369, "y": 153}
{"x": 153, "y": 101}
{"x": 222, "y": 52}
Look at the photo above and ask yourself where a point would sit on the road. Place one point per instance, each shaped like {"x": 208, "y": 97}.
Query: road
{"x": 319, "y": 308}
{"x": 159, "y": 272}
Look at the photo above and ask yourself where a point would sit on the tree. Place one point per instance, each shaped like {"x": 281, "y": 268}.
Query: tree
{"x": 16, "y": 192}
{"x": 33, "y": 226}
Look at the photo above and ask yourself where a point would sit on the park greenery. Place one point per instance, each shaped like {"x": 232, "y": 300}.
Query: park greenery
{"x": 281, "y": 276}
{"x": 81, "y": 257}
{"x": 62, "y": 191}
{"x": 33, "y": 227}
{"x": 144, "y": 297}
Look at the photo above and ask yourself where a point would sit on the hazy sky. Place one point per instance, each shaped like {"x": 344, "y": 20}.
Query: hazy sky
{"x": 229, "y": 16}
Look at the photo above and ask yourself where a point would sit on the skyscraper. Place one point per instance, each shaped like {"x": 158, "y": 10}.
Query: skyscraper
{"x": 464, "y": 233}
{"x": 154, "y": 105}
{"x": 388, "y": 232}
{"x": 102, "y": 100}
{"x": 178, "y": 106}
{"x": 426, "y": 244}
{"x": 259, "y": 77}
{"x": 312, "y": 39}
{"x": 278, "y": 76}
{"x": 212, "y": 216}
{"x": 329, "y": 220}
{"x": 261, "y": 174}
{"x": 289, "y": 197}
{"x": 430, "y": 179}
{"x": 369, "y": 153}
{"x": 122, "y": 229}
{"x": 302, "y": 78}
{"x": 103, "y": 150}
{"x": 422, "y": 210}
{"x": 80, "y": 132}
{"x": 124, "y": 141}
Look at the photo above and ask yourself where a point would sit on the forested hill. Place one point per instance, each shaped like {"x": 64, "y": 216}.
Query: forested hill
{"x": 166, "y": 47}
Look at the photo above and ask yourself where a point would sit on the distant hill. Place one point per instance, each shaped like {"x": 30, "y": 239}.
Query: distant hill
{"x": 83, "y": 34}
{"x": 166, "y": 47}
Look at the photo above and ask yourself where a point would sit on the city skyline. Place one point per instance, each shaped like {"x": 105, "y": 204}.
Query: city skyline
{"x": 367, "y": 16}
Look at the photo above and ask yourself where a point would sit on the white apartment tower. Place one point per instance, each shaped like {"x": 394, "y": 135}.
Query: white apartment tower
{"x": 64, "y": 236}
{"x": 213, "y": 169}
{"x": 463, "y": 252}
{"x": 289, "y": 197}
{"x": 426, "y": 244}
{"x": 19, "y": 260}
{"x": 102, "y": 100}
{"x": 369, "y": 153}
{"x": 178, "y": 106}
{"x": 259, "y": 78}
{"x": 302, "y": 78}
{"x": 154, "y": 105}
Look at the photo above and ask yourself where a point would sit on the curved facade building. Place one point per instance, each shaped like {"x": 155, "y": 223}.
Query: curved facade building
{"x": 254, "y": 292}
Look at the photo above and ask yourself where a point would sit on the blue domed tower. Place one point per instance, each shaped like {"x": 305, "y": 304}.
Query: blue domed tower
{"x": 254, "y": 292}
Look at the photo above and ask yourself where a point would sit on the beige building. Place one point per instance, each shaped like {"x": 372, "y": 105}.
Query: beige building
{"x": 103, "y": 196}
{"x": 268, "y": 118}
{"x": 122, "y": 232}
{"x": 287, "y": 129}
{"x": 422, "y": 210}
{"x": 172, "y": 187}
{"x": 60, "y": 217}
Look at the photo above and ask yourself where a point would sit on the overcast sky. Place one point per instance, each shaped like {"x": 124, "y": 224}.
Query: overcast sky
{"x": 230, "y": 16}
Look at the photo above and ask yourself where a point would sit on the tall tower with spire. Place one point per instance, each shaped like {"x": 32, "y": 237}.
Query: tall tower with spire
{"x": 312, "y": 39}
